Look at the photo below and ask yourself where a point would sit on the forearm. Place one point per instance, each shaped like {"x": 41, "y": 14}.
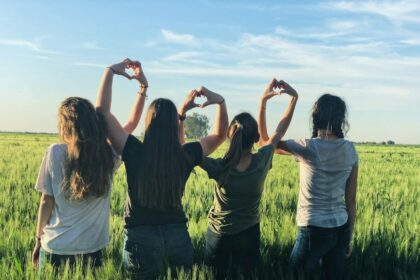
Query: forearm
{"x": 286, "y": 118}
{"x": 221, "y": 123}
{"x": 351, "y": 211}
{"x": 136, "y": 111}
{"x": 104, "y": 98}
{"x": 262, "y": 123}
{"x": 46, "y": 206}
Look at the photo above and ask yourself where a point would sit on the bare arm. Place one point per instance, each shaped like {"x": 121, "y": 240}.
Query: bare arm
{"x": 287, "y": 115}
{"x": 46, "y": 206}
{"x": 350, "y": 197}
{"x": 115, "y": 132}
{"x": 136, "y": 111}
{"x": 218, "y": 134}
{"x": 262, "y": 123}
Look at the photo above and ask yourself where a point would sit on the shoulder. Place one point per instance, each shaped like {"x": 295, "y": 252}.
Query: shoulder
{"x": 56, "y": 150}
{"x": 131, "y": 147}
{"x": 266, "y": 150}
{"x": 195, "y": 150}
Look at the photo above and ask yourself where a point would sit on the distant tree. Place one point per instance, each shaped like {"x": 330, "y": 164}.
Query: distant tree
{"x": 383, "y": 143}
{"x": 196, "y": 126}
{"x": 390, "y": 142}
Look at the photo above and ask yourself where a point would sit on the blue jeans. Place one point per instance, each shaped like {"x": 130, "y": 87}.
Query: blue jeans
{"x": 148, "y": 250}
{"x": 317, "y": 247}
{"x": 229, "y": 253}
{"x": 94, "y": 259}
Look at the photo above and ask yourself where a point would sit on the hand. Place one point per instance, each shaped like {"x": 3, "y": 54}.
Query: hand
{"x": 189, "y": 102}
{"x": 119, "y": 68}
{"x": 349, "y": 250}
{"x": 35, "y": 254}
{"x": 138, "y": 73}
{"x": 269, "y": 91}
{"x": 286, "y": 88}
{"x": 212, "y": 97}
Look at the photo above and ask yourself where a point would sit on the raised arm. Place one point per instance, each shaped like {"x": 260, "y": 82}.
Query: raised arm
{"x": 218, "y": 134}
{"x": 115, "y": 132}
{"x": 46, "y": 206}
{"x": 262, "y": 124}
{"x": 287, "y": 115}
{"x": 350, "y": 197}
{"x": 188, "y": 104}
{"x": 138, "y": 106}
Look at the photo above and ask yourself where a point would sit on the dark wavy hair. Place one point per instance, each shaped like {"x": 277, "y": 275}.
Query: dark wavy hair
{"x": 330, "y": 112}
{"x": 89, "y": 161}
{"x": 242, "y": 133}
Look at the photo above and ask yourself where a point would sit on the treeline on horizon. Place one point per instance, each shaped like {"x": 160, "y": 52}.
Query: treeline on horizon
{"x": 389, "y": 142}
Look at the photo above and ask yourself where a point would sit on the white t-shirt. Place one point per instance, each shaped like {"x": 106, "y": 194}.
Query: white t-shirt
{"x": 325, "y": 166}
{"x": 74, "y": 227}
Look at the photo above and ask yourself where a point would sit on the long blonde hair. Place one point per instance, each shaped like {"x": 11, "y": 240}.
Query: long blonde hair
{"x": 89, "y": 161}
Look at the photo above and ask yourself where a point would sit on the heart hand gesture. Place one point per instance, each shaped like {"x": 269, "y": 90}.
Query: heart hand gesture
{"x": 212, "y": 97}
{"x": 138, "y": 73}
{"x": 189, "y": 102}
{"x": 119, "y": 68}
{"x": 270, "y": 90}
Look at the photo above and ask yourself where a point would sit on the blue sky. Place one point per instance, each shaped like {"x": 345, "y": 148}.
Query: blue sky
{"x": 367, "y": 52}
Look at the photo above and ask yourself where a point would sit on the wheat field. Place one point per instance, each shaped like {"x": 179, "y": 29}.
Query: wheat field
{"x": 386, "y": 241}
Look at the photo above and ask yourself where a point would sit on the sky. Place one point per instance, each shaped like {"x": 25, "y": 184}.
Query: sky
{"x": 367, "y": 52}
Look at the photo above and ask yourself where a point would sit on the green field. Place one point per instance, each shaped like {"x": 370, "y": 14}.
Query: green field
{"x": 386, "y": 242}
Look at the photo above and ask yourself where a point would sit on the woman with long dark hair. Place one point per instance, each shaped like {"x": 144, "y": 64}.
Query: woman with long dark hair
{"x": 326, "y": 210}
{"x": 233, "y": 235}
{"x": 157, "y": 170}
{"x": 75, "y": 180}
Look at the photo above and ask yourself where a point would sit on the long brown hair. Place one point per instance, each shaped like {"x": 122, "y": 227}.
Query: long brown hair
{"x": 89, "y": 161}
{"x": 160, "y": 184}
{"x": 243, "y": 133}
{"x": 330, "y": 112}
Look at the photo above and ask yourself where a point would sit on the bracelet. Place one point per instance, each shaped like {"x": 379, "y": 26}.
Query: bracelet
{"x": 182, "y": 117}
{"x": 142, "y": 93}
{"x": 222, "y": 102}
{"x": 112, "y": 70}
{"x": 144, "y": 86}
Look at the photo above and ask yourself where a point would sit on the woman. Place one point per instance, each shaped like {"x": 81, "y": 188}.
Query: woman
{"x": 157, "y": 170}
{"x": 328, "y": 172}
{"x": 233, "y": 235}
{"x": 75, "y": 180}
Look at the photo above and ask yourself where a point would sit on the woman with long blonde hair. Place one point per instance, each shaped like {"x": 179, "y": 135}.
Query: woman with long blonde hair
{"x": 75, "y": 180}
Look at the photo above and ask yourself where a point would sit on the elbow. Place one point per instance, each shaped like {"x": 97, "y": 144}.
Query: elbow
{"x": 47, "y": 201}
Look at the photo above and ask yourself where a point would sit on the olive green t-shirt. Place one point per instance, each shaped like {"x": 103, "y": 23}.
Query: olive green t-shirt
{"x": 236, "y": 204}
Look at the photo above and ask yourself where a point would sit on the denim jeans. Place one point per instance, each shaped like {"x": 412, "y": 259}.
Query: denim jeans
{"x": 94, "y": 259}
{"x": 317, "y": 247}
{"x": 148, "y": 250}
{"x": 228, "y": 254}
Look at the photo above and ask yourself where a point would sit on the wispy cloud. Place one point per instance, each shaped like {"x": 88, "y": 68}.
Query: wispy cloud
{"x": 88, "y": 64}
{"x": 91, "y": 45}
{"x": 31, "y": 45}
{"x": 395, "y": 11}
{"x": 173, "y": 37}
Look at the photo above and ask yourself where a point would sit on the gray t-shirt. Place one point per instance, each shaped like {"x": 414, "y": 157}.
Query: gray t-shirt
{"x": 74, "y": 227}
{"x": 325, "y": 166}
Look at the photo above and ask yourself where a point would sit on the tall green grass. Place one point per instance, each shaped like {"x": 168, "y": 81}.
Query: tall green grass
{"x": 386, "y": 241}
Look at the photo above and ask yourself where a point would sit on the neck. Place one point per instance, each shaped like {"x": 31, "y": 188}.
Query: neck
{"x": 326, "y": 134}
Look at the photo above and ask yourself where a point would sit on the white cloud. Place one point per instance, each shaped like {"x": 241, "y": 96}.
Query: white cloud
{"x": 395, "y": 11}
{"x": 31, "y": 45}
{"x": 88, "y": 64}
{"x": 173, "y": 37}
{"x": 91, "y": 45}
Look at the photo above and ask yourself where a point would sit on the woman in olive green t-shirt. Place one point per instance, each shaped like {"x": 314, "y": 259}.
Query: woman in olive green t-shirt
{"x": 233, "y": 235}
